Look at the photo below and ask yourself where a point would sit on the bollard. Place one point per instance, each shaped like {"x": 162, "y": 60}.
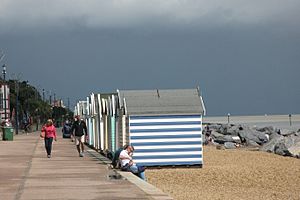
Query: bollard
{"x": 228, "y": 116}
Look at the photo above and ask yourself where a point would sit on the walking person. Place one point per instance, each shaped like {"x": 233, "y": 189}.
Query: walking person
{"x": 79, "y": 131}
{"x": 49, "y": 131}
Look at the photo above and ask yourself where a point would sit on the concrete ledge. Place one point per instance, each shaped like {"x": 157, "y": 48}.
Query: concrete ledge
{"x": 149, "y": 189}
{"x": 98, "y": 156}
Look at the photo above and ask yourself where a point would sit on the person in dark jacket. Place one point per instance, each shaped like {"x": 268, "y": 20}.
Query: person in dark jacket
{"x": 79, "y": 131}
{"x": 66, "y": 130}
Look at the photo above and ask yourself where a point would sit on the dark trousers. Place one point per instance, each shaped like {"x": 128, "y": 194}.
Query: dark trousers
{"x": 48, "y": 145}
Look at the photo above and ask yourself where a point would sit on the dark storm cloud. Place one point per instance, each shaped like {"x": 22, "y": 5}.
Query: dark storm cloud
{"x": 243, "y": 54}
{"x": 127, "y": 13}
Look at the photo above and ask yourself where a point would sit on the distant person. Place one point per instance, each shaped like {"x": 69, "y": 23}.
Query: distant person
{"x": 6, "y": 123}
{"x": 79, "y": 131}
{"x": 127, "y": 163}
{"x": 208, "y": 138}
{"x": 26, "y": 125}
{"x": 66, "y": 130}
{"x": 49, "y": 134}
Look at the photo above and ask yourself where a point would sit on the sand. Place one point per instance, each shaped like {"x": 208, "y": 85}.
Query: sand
{"x": 232, "y": 174}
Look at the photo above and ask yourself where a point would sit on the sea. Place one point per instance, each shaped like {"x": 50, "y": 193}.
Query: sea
{"x": 289, "y": 122}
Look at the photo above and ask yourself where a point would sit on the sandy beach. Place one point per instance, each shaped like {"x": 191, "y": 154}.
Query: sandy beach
{"x": 232, "y": 174}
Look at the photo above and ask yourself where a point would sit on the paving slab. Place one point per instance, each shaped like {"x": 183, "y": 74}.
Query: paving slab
{"x": 27, "y": 174}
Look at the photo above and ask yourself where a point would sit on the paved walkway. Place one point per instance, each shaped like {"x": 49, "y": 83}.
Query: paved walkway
{"x": 26, "y": 173}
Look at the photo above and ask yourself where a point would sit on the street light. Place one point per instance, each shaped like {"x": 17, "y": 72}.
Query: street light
{"x": 5, "y": 99}
{"x": 17, "y": 102}
{"x": 16, "y": 79}
{"x": 50, "y": 99}
{"x": 43, "y": 94}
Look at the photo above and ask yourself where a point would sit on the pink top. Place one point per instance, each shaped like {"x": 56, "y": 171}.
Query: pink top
{"x": 50, "y": 131}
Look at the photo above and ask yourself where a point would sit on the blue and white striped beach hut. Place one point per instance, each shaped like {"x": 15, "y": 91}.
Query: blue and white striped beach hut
{"x": 164, "y": 126}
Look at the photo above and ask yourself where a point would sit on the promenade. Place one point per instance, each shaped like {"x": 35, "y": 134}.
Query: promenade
{"x": 27, "y": 174}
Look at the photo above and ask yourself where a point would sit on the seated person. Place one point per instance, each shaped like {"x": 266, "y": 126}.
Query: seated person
{"x": 127, "y": 163}
{"x": 116, "y": 157}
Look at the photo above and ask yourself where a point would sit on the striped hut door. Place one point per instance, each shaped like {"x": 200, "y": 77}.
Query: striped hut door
{"x": 166, "y": 140}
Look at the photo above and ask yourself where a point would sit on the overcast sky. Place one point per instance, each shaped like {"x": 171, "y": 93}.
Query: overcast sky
{"x": 244, "y": 55}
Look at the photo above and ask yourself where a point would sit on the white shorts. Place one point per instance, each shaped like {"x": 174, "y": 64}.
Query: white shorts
{"x": 79, "y": 139}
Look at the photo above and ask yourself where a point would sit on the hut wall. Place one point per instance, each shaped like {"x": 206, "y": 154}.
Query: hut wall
{"x": 166, "y": 139}
{"x": 91, "y": 130}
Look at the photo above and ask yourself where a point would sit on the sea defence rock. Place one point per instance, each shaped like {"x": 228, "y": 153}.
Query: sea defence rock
{"x": 267, "y": 129}
{"x": 234, "y": 130}
{"x": 252, "y": 135}
{"x": 274, "y": 135}
{"x": 269, "y": 139}
{"x": 295, "y": 150}
{"x": 229, "y": 145}
{"x": 221, "y": 139}
{"x": 270, "y": 146}
{"x": 281, "y": 149}
{"x": 286, "y": 132}
{"x": 283, "y": 145}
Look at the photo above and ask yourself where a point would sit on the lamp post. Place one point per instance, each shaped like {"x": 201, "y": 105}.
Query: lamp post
{"x": 50, "y": 99}
{"x": 5, "y": 99}
{"x": 43, "y": 94}
{"x": 17, "y": 102}
{"x": 16, "y": 78}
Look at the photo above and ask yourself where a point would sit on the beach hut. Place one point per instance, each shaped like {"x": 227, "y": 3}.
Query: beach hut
{"x": 101, "y": 118}
{"x": 112, "y": 114}
{"x": 96, "y": 129}
{"x": 89, "y": 119}
{"x": 108, "y": 103}
{"x": 4, "y": 102}
{"x": 94, "y": 121}
{"x": 164, "y": 126}
{"x": 81, "y": 109}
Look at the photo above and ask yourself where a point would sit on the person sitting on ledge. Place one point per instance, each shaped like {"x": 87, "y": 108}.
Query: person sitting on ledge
{"x": 115, "y": 163}
{"x": 127, "y": 163}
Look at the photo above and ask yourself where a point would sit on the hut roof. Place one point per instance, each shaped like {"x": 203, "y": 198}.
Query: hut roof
{"x": 161, "y": 102}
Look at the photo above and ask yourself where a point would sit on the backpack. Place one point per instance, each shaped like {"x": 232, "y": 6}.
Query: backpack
{"x": 115, "y": 160}
{"x": 67, "y": 129}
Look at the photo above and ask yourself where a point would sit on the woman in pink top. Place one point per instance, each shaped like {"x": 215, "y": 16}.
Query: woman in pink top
{"x": 50, "y": 134}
